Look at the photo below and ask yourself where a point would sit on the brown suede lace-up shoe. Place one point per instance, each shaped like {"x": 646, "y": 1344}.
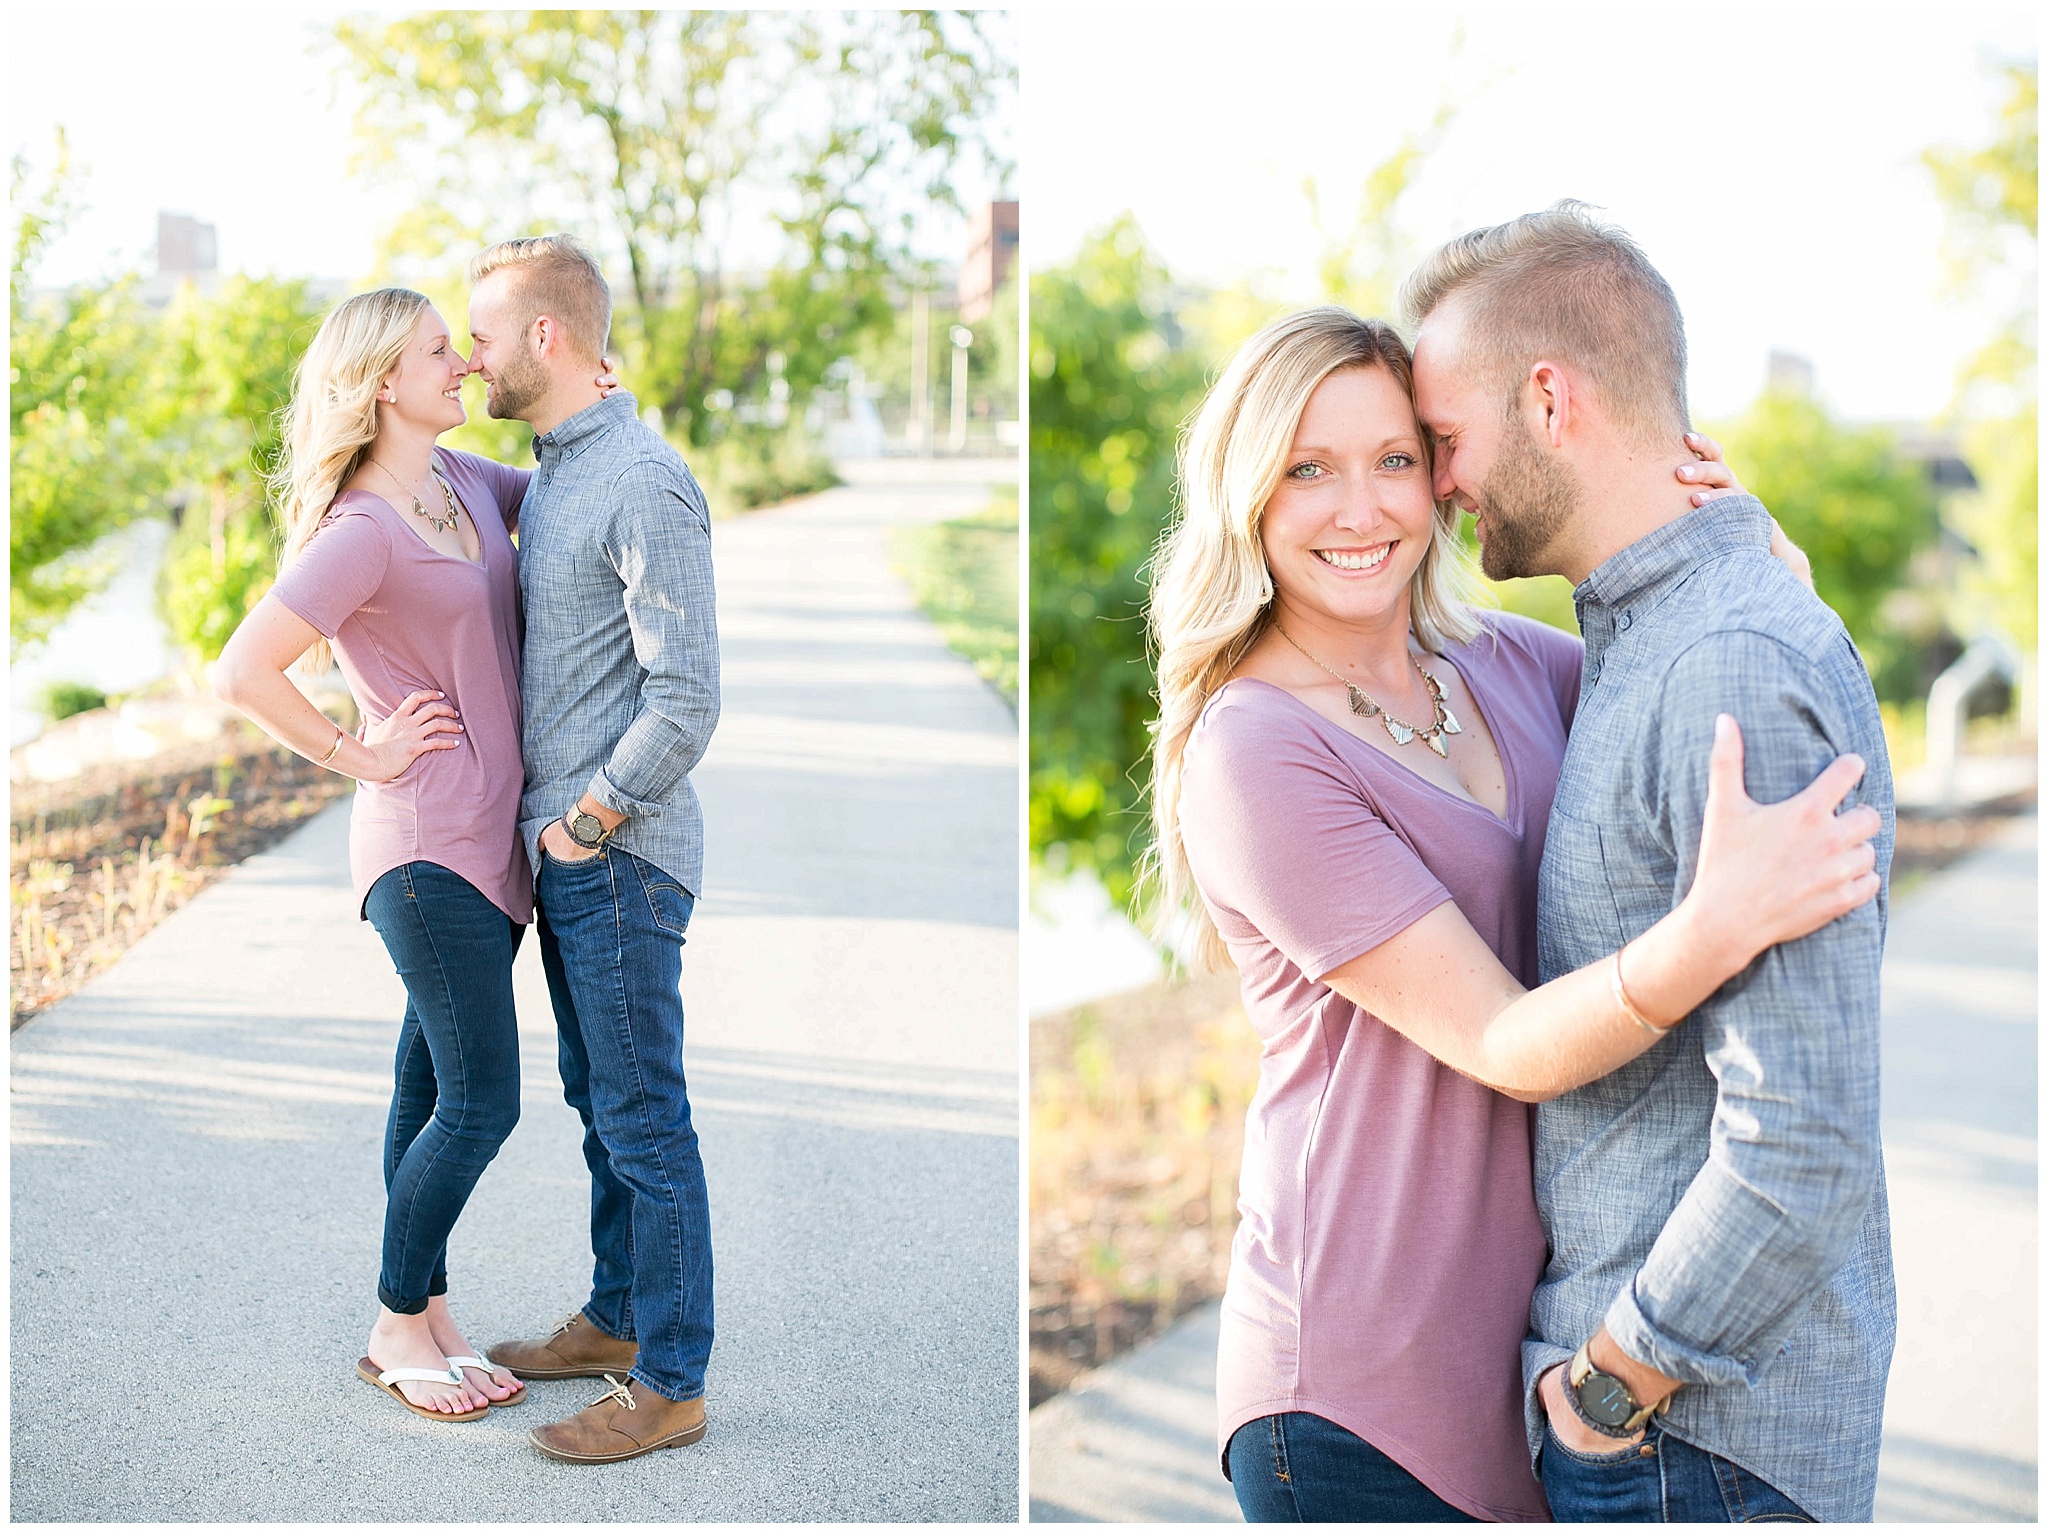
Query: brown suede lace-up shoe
{"x": 575, "y": 1350}
{"x": 627, "y": 1420}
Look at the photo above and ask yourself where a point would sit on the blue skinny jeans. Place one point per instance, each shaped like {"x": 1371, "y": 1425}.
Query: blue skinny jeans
{"x": 455, "y": 1093}
{"x": 1297, "y": 1467}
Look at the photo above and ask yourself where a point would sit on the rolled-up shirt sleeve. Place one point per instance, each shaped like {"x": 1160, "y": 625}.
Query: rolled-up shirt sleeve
{"x": 659, "y": 543}
{"x": 1792, "y": 1043}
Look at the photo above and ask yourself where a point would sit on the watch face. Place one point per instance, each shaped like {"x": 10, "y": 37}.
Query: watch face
{"x": 1606, "y": 1399}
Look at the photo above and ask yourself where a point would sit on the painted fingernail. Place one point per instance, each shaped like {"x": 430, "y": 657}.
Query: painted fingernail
{"x": 1687, "y": 472}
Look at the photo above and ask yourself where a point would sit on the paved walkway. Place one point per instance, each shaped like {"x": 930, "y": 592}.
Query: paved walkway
{"x": 196, "y": 1196}
{"x": 1136, "y": 1442}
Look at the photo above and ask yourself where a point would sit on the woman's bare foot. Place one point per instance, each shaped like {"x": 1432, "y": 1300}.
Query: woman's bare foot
{"x": 496, "y": 1384}
{"x": 407, "y": 1341}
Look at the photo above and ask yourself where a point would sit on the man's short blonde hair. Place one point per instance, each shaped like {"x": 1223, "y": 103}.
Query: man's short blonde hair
{"x": 1565, "y": 285}
{"x": 555, "y": 276}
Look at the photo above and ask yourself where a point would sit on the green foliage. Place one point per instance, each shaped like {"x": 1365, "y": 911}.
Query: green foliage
{"x": 66, "y": 699}
{"x": 226, "y": 365}
{"x": 2002, "y": 520}
{"x": 1842, "y": 494}
{"x": 649, "y": 130}
{"x": 221, "y": 561}
{"x": 745, "y": 472}
{"x": 964, "y": 575}
{"x": 1992, "y": 197}
{"x": 79, "y": 466}
{"x": 1109, "y": 391}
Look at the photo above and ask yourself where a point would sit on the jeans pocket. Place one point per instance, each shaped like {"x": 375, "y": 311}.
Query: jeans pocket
{"x": 668, "y": 903}
{"x": 1626, "y": 1454}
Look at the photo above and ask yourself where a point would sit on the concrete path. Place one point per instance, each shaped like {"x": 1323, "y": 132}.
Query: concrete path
{"x": 1961, "y": 1084}
{"x": 196, "y": 1195}
{"x": 1135, "y": 1441}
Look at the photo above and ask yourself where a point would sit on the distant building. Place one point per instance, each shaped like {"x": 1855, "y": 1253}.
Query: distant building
{"x": 186, "y": 251}
{"x": 1787, "y": 372}
{"x": 991, "y": 248}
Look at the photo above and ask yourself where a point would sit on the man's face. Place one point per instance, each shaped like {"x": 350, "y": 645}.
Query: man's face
{"x": 1527, "y": 498}
{"x": 1485, "y": 458}
{"x": 502, "y": 351}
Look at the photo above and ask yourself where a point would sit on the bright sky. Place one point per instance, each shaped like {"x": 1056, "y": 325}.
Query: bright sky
{"x": 242, "y": 117}
{"x": 1767, "y": 159}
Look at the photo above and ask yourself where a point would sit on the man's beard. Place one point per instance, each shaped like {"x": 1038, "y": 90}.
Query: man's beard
{"x": 1526, "y": 500}
{"x": 517, "y": 389}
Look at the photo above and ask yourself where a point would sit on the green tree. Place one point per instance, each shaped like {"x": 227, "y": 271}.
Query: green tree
{"x": 79, "y": 465}
{"x": 1109, "y": 391}
{"x": 1992, "y": 197}
{"x": 655, "y": 131}
{"x": 1858, "y": 509}
{"x": 224, "y": 373}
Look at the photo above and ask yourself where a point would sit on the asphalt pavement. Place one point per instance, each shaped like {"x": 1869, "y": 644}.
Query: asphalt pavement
{"x": 195, "y": 1184}
{"x": 1134, "y": 1441}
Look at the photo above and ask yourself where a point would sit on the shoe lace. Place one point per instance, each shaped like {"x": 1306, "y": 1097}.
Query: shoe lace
{"x": 619, "y": 1392}
{"x": 571, "y": 1320}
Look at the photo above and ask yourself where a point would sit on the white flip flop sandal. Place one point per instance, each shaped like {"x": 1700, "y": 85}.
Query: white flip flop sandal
{"x": 485, "y": 1365}
{"x": 389, "y": 1379}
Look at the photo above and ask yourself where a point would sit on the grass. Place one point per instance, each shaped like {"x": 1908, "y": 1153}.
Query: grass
{"x": 964, "y": 575}
{"x": 1137, "y": 1134}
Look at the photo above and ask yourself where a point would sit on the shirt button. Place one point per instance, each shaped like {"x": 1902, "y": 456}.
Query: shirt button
{"x": 1626, "y": 620}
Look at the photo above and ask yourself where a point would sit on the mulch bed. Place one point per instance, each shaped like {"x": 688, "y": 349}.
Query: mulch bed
{"x": 1137, "y": 1132}
{"x": 96, "y": 861}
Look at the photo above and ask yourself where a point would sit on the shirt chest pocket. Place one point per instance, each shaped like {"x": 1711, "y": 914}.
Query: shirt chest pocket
{"x": 1601, "y": 885}
{"x": 1577, "y": 920}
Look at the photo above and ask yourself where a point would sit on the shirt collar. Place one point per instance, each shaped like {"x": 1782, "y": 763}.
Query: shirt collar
{"x": 1647, "y": 566}
{"x": 615, "y": 409}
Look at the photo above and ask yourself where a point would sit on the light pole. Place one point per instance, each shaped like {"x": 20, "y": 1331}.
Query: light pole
{"x": 919, "y": 433}
{"x": 962, "y": 339}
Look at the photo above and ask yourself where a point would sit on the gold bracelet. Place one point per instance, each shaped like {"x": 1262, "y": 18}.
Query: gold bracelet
{"x": 340, "y": 735}
{"x": 1628, "y": 1008}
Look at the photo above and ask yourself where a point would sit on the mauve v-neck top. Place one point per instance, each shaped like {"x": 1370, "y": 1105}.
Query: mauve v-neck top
{"x": 1389, "y": 1241}
{"x": 404, "y": 617}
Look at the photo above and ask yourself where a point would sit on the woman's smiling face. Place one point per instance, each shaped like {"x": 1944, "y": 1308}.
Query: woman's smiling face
{"x": 1352, "y": 516}
{"x": 426, "y": 386}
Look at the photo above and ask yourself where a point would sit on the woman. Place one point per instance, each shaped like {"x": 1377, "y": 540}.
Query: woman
{"x": 399, "y": 555}
{"x": 1344, "y": 745}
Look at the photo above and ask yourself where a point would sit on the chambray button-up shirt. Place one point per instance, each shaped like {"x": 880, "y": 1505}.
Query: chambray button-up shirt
{"x": 1719, "y": 1201}
{"x": 619, "y": 683}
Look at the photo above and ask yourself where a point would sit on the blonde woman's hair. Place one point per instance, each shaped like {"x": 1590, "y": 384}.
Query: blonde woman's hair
{"x": 1565, "y": 284}
{"x": 554, "y": 275}
{"x": 1212, "y": 594}
{"x": 331, "y": 421}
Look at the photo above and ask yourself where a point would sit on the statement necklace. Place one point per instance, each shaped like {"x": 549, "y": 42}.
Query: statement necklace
{"x": 438, "y": 523}
{"x": 1431, "y": 735}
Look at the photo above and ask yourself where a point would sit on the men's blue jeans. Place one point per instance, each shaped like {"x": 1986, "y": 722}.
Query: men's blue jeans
{"x": 455, "y": 1093}
{"x": 1298, "y": 1467}
{"x": 1661, "y": 1479}
{"x": 611, "y": 939}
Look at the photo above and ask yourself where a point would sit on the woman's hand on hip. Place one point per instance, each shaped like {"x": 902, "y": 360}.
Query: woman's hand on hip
{"x": 425, "y": 721}
{"x": 1769, "y": 873}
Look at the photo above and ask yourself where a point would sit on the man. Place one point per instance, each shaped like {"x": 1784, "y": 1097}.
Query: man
{"x": 619, "y": 690}
{"x": 1712, "y": 1334}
